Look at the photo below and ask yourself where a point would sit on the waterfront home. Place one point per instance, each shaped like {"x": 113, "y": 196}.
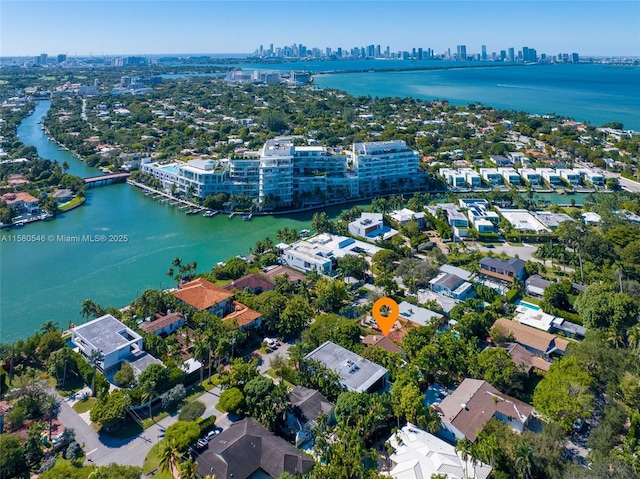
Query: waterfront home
{"x": 511, "y": 176}
{"x": 416, "y": 453}
{"x": 247, "y": 449}
{"x": 491, "y": 176}
{"x": 551, "y": 220}
{"x": 591, "y": 177}
{"x": 252, "y": 282}
{"x": 474, "y": 402}
{"x": 371, "y": 226}
{"x": 504, "y": 270}
{"x": 523, "y": 221}
{"x": 21, "y": 202}
{"x": 204, "y": 295}
{"x": 62, "y": 195}
{"x": 355, "y": 373}
{"x": 405, "y": 215}
{"x": 550, "y": 176}
{"x": 116, "y": 343}
{"x": 531, "y": 176}
{"x": 272, "y": 272}
{"x": 570, "y": 176}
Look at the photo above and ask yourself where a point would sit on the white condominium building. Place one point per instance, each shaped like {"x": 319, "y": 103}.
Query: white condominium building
{"x": 380, "y": 165}
{"x": 283, "y": 174}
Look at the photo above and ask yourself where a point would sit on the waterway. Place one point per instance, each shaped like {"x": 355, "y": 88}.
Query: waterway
{"x": 50, "y": 279}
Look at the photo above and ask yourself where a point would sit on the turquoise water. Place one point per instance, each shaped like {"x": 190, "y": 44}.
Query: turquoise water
{"x": 593, "y": 93}
{"x": 527, "y": 305}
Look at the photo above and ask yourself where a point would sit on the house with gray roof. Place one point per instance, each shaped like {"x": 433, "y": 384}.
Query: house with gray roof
{"x": 501, "y": 269}
{"x": 452, "y": 285}
{"x": 249, "y": 450}
{"x": 115, "y": 341}
{"x": 307, "y": 405}
{"x": 535, "y": 285}
{"x": 356, "y": 373}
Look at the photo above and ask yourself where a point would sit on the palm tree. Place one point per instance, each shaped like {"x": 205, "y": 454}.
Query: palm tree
{"x": 464, "y": 446}
{"x": 524, "y": 459}
{"x": 169, "y": 456}
{"x": 188, "y": 469}
{"x": 296, "y": 355}
{"x": 49, "y": 327}
{"x": 200, "y": 349}
{"x": 95, "y": 359}
{"x": 633, "y": 338}
{"x": 91, "y": 309}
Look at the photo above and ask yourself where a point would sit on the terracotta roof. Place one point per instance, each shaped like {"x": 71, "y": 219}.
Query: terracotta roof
{"x": 526, "y": 360}
{"x": 11, "y": 198}
{"x": 251, "y": 281}
{"x": 474, "y": 402}
{"x": 382, "y": 342}
{"x": 532, "y": 337}
{"x": 272, "y": 273}
{"x": 161, "y": 322}
{"x": 202, "y": 294}
{"x": 242, "y": 314}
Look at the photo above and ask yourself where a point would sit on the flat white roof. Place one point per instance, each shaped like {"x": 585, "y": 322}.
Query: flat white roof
{"x": 522, "y": 220}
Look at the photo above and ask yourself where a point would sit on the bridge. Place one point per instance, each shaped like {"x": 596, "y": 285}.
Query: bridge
{"x": 108, "y": 179}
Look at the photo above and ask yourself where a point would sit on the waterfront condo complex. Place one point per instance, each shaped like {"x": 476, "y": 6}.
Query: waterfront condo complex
{"x": 282, "y": 174}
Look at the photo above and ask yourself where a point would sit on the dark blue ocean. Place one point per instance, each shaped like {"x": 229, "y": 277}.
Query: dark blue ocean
{"x": 590, "y": 93}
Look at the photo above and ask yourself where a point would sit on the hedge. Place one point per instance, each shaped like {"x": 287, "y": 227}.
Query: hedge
{"x": 513, "y": 295}
{"x": 207, "y": 424}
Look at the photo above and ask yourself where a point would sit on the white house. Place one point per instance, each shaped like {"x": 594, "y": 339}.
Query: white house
{"x": 371, "y": 226}
{"x": 420, "y": 454}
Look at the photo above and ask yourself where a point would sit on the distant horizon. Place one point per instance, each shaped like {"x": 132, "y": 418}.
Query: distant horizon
{"x": 595, "y": 28}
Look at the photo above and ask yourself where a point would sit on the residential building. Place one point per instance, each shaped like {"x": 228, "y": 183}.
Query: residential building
{"x": 591, "y": 177}
{"x": 518, "y": 158}
{"x": 590, "y": 218}
{"x": 467, "y": 409}
{"x": 247, "y": 449}
{"x": 420, "y": 454}
{"x": 471, "y": 177}
{"x": 272, "y": 272}
{"x": 204, "y": 295}
{"x": 524, "y": 360}
{"x": 531, "y": 176}
{"x": 356, "y": 373}
{"x": 501, "y": 161}
{"x": 535, "y": 285}
{"x": 163, "y": 324}
{"x": 550, "y": 176}
{"x": 252, "y": 282}
{"x": 114, "y": 341}
{"x": 281, "y": 174}
{"x": 501, "y": 269}
{"x": 479, "y": 215}
{"x": 405, "y": 216}
{"x": 491, "y": 176}
{"x": 551, "y": 220}
{"x": 511, "y": 176}
{"x": 320, "y": 252}
{"x": 538, "y": 342}
{"x": 381, "y": 341}
{"x": 570, "y": 176}
{"x": 452, "y": 286}
{"x": 523, "y": 221}
{"x": 307, "y": 405}
{"x": 382, "y": 165}
{"x": 418, "y": 315}
{"x": 453, "y": 177}
{"x": 371, "y": 226}
{"x": 21, "y": 202}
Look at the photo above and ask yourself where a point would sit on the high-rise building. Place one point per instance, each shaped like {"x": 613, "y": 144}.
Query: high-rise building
{"x": 62, "y": 57}
{"x": 484, "y": 53}
{"x": 420, "y": 54}
{"x": 525, "y": 54}
{"x": 378, "y": 52}
{"x": 575, "y": 58}
{"x": 512, "y": 56}
{"x": 462, "y": 52}
{"x": 503, "y": 55}
{"x": 533, "y": 55}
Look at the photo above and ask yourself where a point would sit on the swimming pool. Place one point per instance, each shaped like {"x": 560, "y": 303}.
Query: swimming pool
{"x": 527, "y": 305}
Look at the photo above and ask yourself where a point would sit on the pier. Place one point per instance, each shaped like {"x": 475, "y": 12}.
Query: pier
{"x": 103, "y": 180}
{"x": 182, "y": 204}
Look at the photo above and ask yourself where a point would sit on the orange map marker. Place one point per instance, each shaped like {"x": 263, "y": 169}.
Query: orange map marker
{"x": 385, "y": 323}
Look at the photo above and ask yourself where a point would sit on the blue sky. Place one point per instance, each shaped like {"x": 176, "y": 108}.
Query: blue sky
{"x": 204, "y": 26}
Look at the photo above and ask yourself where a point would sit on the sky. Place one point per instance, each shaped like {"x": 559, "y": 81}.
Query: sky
{"x": 143, "y": 27}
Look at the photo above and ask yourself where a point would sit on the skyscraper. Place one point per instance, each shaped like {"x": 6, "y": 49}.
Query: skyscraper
{"x": 462, "y": 53}
{"x": 512, "y": 54}
{"x": 484, "y": 53}
{"x": 503, "y": 55}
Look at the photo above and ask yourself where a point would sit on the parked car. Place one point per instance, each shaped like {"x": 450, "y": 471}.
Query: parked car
{"x": 211, "y": 434}
{"x": 271, "y": 343}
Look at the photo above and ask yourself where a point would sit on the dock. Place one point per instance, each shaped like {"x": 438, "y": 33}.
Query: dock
{"x": 189, "y": 207}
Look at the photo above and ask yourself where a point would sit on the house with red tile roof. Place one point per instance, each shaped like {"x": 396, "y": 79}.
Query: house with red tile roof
{"x": 204, "y": 295}
{"x": 22, "y": 202}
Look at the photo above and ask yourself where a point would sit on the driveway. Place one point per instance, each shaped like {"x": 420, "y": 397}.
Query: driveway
{"x": 283, "y": 350}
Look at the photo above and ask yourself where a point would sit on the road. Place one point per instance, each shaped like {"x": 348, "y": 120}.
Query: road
{"x": 101, "y": 449}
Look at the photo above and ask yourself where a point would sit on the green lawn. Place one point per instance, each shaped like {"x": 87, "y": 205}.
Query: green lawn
{"x": 78, "y": 200}
{"x": 151, "y": 464}
{"x": 84, "y": 406}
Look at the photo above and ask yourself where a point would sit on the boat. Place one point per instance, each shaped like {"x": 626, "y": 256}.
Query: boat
{"x": 209, "y": 214}
{"x": 247, "y": 216}
{"x": 192, "y": 212}
{"x": 231, "y": 215}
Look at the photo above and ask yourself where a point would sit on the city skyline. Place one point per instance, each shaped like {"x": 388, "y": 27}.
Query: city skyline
{"x": 144, "y": 27}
